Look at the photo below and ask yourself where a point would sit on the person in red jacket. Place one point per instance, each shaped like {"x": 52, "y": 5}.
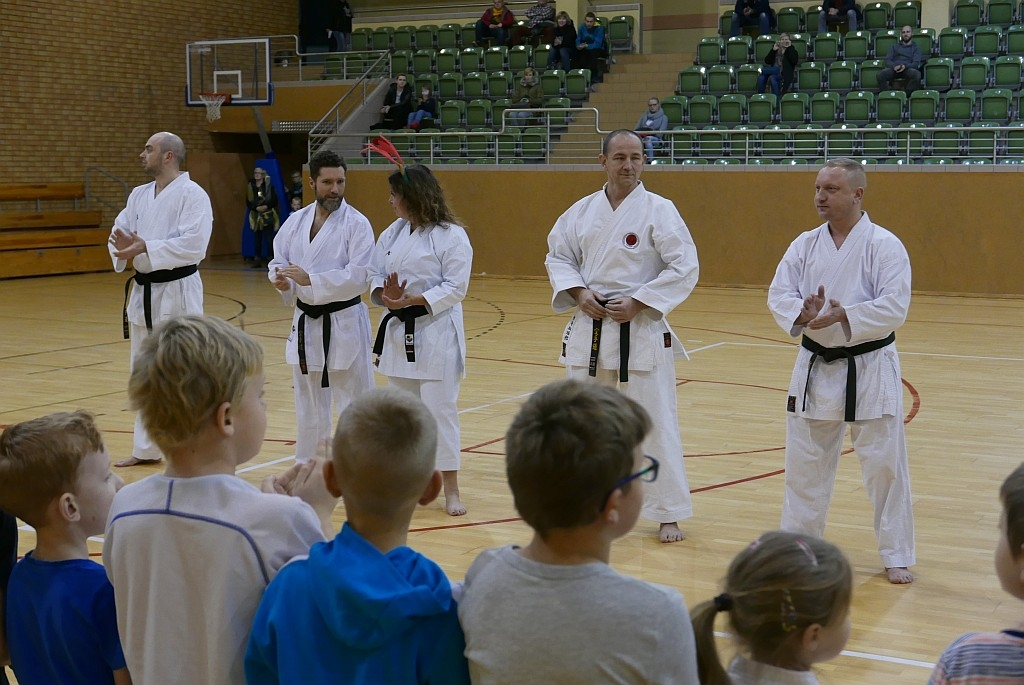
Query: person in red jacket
{"x": 496, "y": 23}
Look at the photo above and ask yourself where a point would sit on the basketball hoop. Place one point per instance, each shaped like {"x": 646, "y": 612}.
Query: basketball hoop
{"x": 213, "y": 101}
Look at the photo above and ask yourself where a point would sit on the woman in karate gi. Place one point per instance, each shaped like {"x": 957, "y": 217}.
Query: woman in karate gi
{"x": 420, "y": 272}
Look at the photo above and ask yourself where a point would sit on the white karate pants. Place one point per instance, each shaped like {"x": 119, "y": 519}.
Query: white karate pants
{"x": 812, "y": 458}
{"x": 143, "y": 446}
{"x": 666, "y": 500}
{"x": 441, "y": 398}
{"x": 314, "y": 421}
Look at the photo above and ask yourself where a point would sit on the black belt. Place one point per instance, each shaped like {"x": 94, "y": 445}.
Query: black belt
{"x": 315, "y": 311}
{"x": 408, "y": 316}
{"x": 146, "y": 280}
{"x": 831, "y": 354}
{"x": 595, "y": 347}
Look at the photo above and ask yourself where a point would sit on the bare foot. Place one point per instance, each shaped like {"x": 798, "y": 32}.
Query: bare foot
{"x": 135, "y": 461}
{"x": 452, "y": 502}
{"x": 669, "y": 532}
{"x": 899, "y": 575}
{"x": 453, "y": 505}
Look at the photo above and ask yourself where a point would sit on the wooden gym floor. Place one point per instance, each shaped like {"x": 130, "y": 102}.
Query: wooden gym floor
{"x": 963, "y": 364}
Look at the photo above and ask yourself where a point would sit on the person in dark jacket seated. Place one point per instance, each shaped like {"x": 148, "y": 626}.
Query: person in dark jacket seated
{"x": 751, "y": 13}
{"x": 779, "y": 66}
{"x": 397, "y": 105}
{"x": 835, "y": 12}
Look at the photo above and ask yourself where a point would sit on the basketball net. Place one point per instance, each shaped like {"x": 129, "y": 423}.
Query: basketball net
{"x": 213, "y": 103}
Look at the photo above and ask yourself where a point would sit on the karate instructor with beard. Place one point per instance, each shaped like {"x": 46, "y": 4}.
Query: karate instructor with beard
{"x": 623, "y": 259}
{"x": 321, "y": 261}
{"x": 844, "y": 288}
{"x": 163, "y": 231}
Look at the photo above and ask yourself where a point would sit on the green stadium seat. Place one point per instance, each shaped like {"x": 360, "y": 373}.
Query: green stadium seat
{"x": 824, "y": 107}
{"x": 794, "y": 108}
{"x": 876, "y": 16}
{"x": 732, "y": 109}
{"x": 858, "y": 45}
{"x": 790, "y": 20}
{"x": 520, "y": 57}
{"x": 923, "y": 106}
{"x": 827, "y": 46}
{"x": 810, "y": 76}
{"x": 987, "y": 41}
{"x": 994, "y": 105}
{"x": 692, "y": 81}
{"x": 676, "y": 109}
{"x": 405, "y": 38}
{"x": 841, "y": 141}
{"x": 746, "y": 78}
{"x": 907, "y": 13}
{"x": 710, "y": 50}
{"x": 958, "y": 105}
{"x": 738, "y": 50}
{"x": 891, "y": 106}
{"x": 1008, "y": 71}
{"x": 858, "y": 107}
{"x": 449, "y": 36}
{"x": 975, "y": 72}
{"x": 946, "y": 141}
{"x": 703, "y": 110}
{"x": 775, "y": 140}
{"x": 762, "y": 108}
{"x": 449, "y": 85}
{"x": 478, "y": 112}
{"x": 968, "y": 13}
{"x": 1001, "y": 12}
{"x": 953, "y": 42}
{"x": 909, "y": 140}
{"x": 449, "y": 60}
{"x": 842, "y": 76}
{"x": 808, "y": 140}
{"x": 869, "y": 73}
{"x": 877, "y": 140}
{"x": 721, "y": 79}
{"x": 981, "y": 139}
{"x": 938, "y": 74}
{"x": 426, "y": 36}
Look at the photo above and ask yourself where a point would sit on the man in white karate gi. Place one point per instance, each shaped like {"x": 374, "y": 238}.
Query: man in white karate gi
{"x": 623, "y": 259}
{"x": 163, "y": 231}
{"x": 320, "y": 266}
{"x": 845, "y": 288}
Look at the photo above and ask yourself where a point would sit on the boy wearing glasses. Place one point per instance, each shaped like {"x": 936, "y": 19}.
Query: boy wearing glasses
{"x": 576, "y": 472}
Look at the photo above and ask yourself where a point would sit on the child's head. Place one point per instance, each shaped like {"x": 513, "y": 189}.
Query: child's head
{"x": 55, "y": 469}
{"x": 787, "y": 596}
{"x": 568, "y": 449}
{"x": 384, "y": 454}
{"x": 296, "y": 203}
{"x": 192, "y": 371}
{"x": 1010, "y": 551}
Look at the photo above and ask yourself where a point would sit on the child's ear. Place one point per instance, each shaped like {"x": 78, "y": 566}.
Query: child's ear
{"x": 331, "y": 479}
{"x": 610, "y": 514}
{"x": 222, "y": 417}
{"x": 68, "y": 509}
{"x": 810, "y": 637}
{"x": 432, "y": 490}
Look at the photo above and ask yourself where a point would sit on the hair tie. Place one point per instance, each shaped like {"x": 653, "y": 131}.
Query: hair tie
{"x": 802, "y": 544}
{"x": 722, "y": 602}
{"x": 788, "y": 612}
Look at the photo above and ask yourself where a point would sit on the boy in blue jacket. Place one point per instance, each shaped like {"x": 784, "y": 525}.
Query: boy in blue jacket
{"x": 364, "y": 607}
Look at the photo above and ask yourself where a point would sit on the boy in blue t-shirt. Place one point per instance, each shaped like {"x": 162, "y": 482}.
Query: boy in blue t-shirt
{"x": 364, "y": 608}
{"x": 60, "y": 619}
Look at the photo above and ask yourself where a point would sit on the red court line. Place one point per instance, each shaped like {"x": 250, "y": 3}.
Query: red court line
{"x": 463, "y": 525}
{"x": 737, "y": 482}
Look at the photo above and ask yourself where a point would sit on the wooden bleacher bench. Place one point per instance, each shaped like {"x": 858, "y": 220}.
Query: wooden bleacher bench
{"x": 44, "y": 241}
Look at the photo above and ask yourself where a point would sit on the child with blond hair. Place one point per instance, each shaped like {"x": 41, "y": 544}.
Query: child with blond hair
{"x": 191, "y": 551}
{"x": 61, "y": 624}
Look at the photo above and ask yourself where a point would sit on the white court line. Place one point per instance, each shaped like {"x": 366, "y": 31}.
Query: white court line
{"x": 495, "y": 404}
{"x": 866, "y": 655}
{"x": 902, "y": 353}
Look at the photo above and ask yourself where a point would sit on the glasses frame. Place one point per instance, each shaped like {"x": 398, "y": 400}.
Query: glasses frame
{"x": 650, "y": 468}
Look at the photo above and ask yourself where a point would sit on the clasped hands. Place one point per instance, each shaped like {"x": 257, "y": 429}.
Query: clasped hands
{"x": 126, "y": 245}
{"x": 815, "y": 315}
{"x": 620, "y": 310}
{"x": 293, "y": 272}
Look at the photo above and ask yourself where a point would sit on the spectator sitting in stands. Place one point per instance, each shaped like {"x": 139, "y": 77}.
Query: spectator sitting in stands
{"x": 590, "y": 47}
{"x": 397, "y": 105}
{"x": 903, "y": 61}
{"x": 540, "y": 25}
{"x": 779, "y": 65}
{"x": 562, "y": 45}
{"x": 528, "y": 94}
{"x": 654, "y": 119}
{"x": 495, "y": 24}
{"x": 296, "y": 203}
{"x": 838, "y": 12}
{"x": 427, "y": 109}
{"x": 751, "y": 13}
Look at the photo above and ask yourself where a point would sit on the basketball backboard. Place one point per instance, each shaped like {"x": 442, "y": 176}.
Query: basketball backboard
{"x": 239, "y": 68}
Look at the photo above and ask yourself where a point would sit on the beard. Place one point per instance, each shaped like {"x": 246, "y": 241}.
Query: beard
{"x": 329, "y": 204}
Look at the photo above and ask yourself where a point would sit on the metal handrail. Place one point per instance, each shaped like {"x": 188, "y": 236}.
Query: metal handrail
{"x": 331, "y": 122}
{"x": 88, "y": 188}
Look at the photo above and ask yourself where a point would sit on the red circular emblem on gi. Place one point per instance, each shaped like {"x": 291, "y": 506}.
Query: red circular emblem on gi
{"x": 631, "y": 240}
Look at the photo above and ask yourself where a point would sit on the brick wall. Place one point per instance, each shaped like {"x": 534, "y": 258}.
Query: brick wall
{"x": 86, "y": 83}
